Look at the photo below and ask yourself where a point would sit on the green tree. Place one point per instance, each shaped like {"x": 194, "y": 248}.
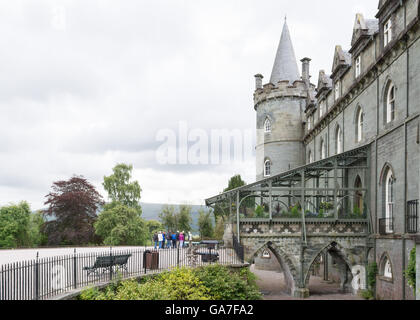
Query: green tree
{"x": 119, "y": 224}
{"x": 222, "y": 210}
{"x": 14, "y": 225}
{"x": 219, "y": 229}
{"x": 120, "y": 189}
{"x": 153, "y": 226}
{"x": 36, "y": 236}
{"x": 184, "y": 218}
{"x": 168, "y": 217}
{"x": 205, "y": 224}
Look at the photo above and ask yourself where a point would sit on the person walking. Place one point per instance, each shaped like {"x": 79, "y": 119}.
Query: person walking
{"x": 160, "y": 239}
{"x": 155, "y": 239}
{"x": 181, "y": 240}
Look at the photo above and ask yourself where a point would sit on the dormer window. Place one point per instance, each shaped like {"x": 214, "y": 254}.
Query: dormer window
{"x": 337, "y": 90}
{"x": 267, "y": 126}
{"x": 387, "y": 32}
{"x": 358, "y": 66}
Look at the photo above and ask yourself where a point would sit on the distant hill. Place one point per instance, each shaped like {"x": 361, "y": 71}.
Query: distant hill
{"x": 150, "y": 211}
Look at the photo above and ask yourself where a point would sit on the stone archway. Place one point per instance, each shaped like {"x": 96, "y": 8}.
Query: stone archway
{"x": 287, "y": 267}
{"x": 351, "y": 273}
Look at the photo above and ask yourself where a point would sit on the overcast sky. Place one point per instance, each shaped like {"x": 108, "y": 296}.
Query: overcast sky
{"x": 87, "y": 84}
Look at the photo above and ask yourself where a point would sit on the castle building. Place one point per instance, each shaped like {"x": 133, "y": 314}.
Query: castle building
{"x": 369, "y": 102}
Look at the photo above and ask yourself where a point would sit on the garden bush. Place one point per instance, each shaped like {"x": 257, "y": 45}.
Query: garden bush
{"x": 213, "y": 282}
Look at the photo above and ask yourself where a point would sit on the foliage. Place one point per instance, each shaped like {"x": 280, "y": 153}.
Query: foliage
{"x": 410, "y": 272}
{"x": 35, "y": 234}
{"x": 120, "y": 189}
{"x": 153, "y": 226}
{"x": 168, "y": 217}
{"x": 14, "y": 225}
{"x": 176, "y": 220}
{"x": 73, "y": 205}
{"x": 372, "y": 271}
{"x": 184, "y": 218}
{"x": 212, "y": 282}
{"x": 219, "y": 229}
{"x": 259, "y": 212}
{"x": 367, "y": 294}
{"x": 205, "y": 224}
{"x": 119, "y": 224}
{"x": 326, "y": 206}
{"x": 295, "y": 211}
{"x": 224, "y": 284}
{"x": 234, "y": 183}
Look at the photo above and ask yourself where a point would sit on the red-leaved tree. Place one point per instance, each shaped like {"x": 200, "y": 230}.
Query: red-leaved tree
{"x": 72, "y": 210}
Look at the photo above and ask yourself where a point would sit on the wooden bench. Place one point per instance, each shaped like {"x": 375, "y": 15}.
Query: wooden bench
{"x": 106, "y": 263}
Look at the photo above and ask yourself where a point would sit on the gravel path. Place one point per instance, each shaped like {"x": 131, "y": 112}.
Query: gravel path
{"x": 273, "y": 287}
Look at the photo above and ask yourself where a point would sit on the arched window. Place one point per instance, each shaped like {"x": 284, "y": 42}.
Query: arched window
{"x": 359, "y": 125}
{"x": 389, "y": 201}
{"x": 322, "y": 149}
{"x": 267, "y": 126}
{"x": 267, "y": 168}
{"x": 390, "y": 103}
{"x": 310, "y": 157}
{"x": 358, "y": 195}
{"x": 338, "y": 140}
{"x": 386, "y": 267}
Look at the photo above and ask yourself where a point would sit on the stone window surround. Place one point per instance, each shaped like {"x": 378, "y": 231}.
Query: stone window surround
{"x": 384, "y": 259}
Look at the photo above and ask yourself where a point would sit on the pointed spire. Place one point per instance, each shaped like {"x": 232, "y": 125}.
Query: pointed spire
{"x": 285, "y": 66}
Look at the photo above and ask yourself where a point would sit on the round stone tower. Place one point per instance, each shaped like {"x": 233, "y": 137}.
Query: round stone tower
{"x": 280, "y": 107}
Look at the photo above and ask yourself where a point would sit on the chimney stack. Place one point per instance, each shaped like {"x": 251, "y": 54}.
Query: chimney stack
{"x": 258, "y": 81}
{"x": 305, "y": 70}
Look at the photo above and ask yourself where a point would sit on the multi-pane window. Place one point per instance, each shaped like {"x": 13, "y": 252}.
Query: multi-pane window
{"x": 267, "y": 126}
{"x": 267, "y": 168}
{"x": 358, "y": 66}
{"x": 337, "y": 90}
{"x": 387, "y": 32}
{"x": 390, "y": 104}
{"x": 359, "y": 126}
{"x": 338, "y": 141}
{"x": 389, "y": 201}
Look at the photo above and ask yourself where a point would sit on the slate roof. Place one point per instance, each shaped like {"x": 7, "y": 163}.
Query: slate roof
{"x": 285, "y": 65}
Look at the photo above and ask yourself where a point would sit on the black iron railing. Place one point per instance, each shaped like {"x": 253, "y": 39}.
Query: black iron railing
{"x": 386, "y": 226}
{"x": 412, "y": 216}
{"x": 239, "y": 249}
{"x": 46, "y": 278}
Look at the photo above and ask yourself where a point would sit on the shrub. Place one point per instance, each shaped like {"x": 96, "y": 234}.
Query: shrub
{"x": 212, "y": 282}
{"x": 367, "y": 294}
{"x": 410, "y": 273}
{"x": 224, "y": 284}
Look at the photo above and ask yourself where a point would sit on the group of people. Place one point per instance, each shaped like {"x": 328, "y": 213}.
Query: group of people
{"x": 166, "y": 240}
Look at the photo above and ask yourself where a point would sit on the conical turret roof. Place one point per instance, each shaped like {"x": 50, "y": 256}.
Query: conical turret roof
{"x": 285, "y": 66}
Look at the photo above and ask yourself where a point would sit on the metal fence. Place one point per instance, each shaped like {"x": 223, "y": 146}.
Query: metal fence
{"x": 45, "y": 278}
